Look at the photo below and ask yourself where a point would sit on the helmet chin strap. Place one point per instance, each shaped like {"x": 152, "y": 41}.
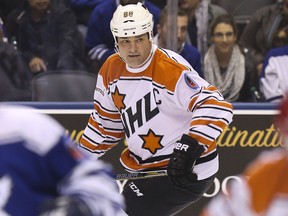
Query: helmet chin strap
{"x": 140, "y": 65}
{"x": 117, "y": 51}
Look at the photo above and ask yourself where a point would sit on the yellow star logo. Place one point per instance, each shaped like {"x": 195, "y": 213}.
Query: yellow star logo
{"x": 118, "y": 99}
{"x": 152, "y": 142}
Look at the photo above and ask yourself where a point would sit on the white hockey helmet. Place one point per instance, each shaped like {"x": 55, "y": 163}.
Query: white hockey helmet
{"x": 131, "y": 20}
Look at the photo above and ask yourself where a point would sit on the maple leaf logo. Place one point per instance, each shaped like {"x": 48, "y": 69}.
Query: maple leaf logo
{"x": 118, "y": 99}
{"x": 152, "y": 142}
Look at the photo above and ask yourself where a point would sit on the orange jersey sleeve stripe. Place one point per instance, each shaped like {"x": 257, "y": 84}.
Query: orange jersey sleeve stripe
{"x": 103, "y": 113}
{"x": 212, "y": 101}
{"x": 217, "y": 123}
{"x": 94, "y": 147}
{"x": 211, "y": 88}
{"x": 202, "y": 139}
{"x": 192, "y": 102}
{"x": 106, "y": 132}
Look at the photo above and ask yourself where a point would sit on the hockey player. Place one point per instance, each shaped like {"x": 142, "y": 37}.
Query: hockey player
{"x": 169, "y": 116}
{"x": 263, "y": 190}
{"x": 41, "y": 172}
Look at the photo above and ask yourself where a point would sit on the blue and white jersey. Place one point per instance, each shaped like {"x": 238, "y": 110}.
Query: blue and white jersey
{"x": 274, "y": 76}
{"x": 38, "y": 162}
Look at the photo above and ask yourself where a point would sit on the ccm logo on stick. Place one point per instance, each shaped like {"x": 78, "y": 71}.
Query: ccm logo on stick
{"x": 180, "y": 146}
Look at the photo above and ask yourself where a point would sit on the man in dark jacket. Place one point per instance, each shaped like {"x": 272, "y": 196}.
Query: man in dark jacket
{"x": 47, "y": 35}
{"x": 264, "y": 31}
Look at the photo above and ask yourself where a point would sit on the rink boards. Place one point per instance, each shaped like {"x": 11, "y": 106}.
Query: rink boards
{"x": 251, "y": 131}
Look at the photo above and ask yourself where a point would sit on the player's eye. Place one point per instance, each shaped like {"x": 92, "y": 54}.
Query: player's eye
{"x": 140, "y": 39}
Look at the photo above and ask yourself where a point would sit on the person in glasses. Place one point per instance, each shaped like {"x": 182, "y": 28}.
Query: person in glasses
{"x": 225, "y": 64}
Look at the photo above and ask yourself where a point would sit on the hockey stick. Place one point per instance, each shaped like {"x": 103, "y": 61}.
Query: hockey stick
{"x": 141, "y": 175}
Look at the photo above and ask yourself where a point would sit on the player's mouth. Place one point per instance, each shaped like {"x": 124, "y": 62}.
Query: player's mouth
{"x": 133, "y": 56}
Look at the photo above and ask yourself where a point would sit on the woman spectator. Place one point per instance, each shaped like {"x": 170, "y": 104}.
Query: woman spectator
{"x": 226, "y": 66}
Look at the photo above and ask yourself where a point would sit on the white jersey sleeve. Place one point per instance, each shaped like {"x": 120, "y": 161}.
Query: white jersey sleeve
{"x": 274, "y": 77}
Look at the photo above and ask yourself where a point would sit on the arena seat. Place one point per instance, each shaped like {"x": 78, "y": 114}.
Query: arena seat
{"x": 63, "y": 86}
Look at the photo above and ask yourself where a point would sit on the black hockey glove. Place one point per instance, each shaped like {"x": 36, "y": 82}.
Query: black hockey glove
{"x": 65, "y": 206}
{"x": 182, "y": 161}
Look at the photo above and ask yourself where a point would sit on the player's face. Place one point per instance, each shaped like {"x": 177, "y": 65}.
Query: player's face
{"x": 135, "y": 50}
{"x": 223, "y": 38}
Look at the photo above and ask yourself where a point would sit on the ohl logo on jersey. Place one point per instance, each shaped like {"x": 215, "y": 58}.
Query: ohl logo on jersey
{"x": 190, "y": 82}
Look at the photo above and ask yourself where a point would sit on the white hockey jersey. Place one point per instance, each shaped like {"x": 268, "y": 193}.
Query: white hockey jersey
{"x": 274, "y": 77}
{"x": 152, "y": 107}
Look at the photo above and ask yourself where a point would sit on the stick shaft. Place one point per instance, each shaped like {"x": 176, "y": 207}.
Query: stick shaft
{"x": 141, "y": 175}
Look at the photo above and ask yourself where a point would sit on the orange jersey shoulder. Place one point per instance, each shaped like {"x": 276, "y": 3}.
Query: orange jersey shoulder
{"x": 267, "y": 178}
{"x": 162, "y": 70}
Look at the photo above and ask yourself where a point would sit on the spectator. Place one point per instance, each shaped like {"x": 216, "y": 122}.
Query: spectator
{"x": 14, "y": 75}
{"x": 263, "y": 189}
{"x": 82, "y": 9}
{"x": 99, "y": 40}
{"x": 169, "y": 116}
{"x": 46, "y": 35}
{"x": 225, "y": 65}
{"x": 189, "y": 52}
{"x": 41, "y": 171}
{"x": 274, "y": 76}
{"x": 264, "y": 31}
{"x": 201, "y": 14}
